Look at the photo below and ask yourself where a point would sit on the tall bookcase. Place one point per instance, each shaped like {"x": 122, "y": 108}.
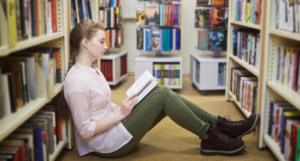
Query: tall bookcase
{"x": 58, "y": 39}
{"x": 270, "y": 89}
{"x": 164, "y": 29}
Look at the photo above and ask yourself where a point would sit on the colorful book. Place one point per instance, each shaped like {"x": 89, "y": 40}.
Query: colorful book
{"x": 152, "y": 14}
{"x": 140, "y": 13}
{"x": 204, "y": 16}
{"x": 155, "y": 40}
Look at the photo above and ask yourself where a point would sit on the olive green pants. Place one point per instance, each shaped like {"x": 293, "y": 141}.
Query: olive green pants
{"x": 159, "y": 103}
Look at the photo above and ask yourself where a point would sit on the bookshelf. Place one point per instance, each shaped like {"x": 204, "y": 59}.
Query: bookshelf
{"x": 59, "y": 39}
{"x": 148, "y": 62}
{"x": 207, "y": 76}
{"x": 270, "y": 88}
{"x": 119, "y": 66}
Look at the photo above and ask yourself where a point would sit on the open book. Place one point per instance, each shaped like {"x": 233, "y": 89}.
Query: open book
{"x": 142, "y": 86}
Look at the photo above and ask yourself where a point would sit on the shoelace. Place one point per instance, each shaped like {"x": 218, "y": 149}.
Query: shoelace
{"x": 219, "y": 134}
{"x": 226, "y": 120}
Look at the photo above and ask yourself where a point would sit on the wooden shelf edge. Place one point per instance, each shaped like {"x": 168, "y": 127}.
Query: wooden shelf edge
{"x": 285, "y": 92}
{"x": 58, "y": 149}
{"x": 250, "y": 68}
{"x": 30, "y": 43}
{"x": 246, "y": 113}
{"x": 248, "y": 25}
{"x": 274, "y": 147}
{"x": 9, "y": 123}
{"x": 285, "y": 34}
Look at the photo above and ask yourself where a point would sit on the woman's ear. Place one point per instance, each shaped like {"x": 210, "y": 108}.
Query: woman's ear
{"x": 85, "y": 42}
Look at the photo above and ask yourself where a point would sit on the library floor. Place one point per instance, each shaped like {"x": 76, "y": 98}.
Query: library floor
{"x": 168, "y": 141}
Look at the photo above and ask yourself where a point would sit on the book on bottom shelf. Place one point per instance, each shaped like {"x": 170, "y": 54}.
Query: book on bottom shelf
{"x": 142, "y": 86}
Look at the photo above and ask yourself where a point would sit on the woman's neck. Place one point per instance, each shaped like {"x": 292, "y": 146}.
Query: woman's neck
{"x": 85, "y": 59}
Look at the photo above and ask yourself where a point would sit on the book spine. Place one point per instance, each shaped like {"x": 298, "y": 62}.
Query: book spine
{"x": 160, "y": 14}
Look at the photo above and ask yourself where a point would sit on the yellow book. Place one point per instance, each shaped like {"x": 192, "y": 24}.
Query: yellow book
{"x": 12, "y": 22}
{"x": 100, "y": 3}
{"x": 39, "y": 17}
{"x": 248, "y": 14}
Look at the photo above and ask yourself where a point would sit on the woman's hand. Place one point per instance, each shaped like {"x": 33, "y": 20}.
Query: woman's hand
{"x": 127, "y": 105}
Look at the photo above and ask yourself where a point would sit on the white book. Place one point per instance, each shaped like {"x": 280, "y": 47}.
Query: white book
{"x": 48, "y": 18}
{"x": 101, "y": 13}
{"x": 144, "y": 84}
{"x": 5, "y": 95}
{"x": 112, "y": 23}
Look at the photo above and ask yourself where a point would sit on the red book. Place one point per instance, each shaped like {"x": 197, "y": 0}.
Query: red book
{"x": 59, "y": 128}
{"x": 53, "y": 16}
{"x": 111, "y": 71}
{"x": 125, "y": 66}
{"x": 37, "y": 32}
{"x": 294, "y": 140}
{"x": 276, "y": 125}
{"x": 15, "y": 153}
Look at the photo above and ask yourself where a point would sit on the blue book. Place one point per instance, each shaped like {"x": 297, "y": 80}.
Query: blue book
{"x": 171, "y": 39}
{"x": 112, "y": 3}
{"x": 38, "y": 140}
{"x": 160, "y": 14}
{"x": 163, "y": 39}
{"x": 148, "y": 40}
{"x": 89, "y": 9}
{"x": 177, "y": 39}
{"x": 104, "y": 3}
{"x": 84, "y": 9}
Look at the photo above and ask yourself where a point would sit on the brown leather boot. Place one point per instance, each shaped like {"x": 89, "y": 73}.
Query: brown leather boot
{"x": 237, "y": 129}
{"x": 215, "y": 142}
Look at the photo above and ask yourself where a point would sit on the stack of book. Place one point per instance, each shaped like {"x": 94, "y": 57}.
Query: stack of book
{"x": 284, "y": 128}
{"x": 107, "y": 69}
{"x": 113, "y": 38}
{"x": 248, "y": 11}
{"x": 25, "y": 19}
{"x": 164, "y": 14}
{"x": 287, "y": 15}
{"x": 212, "y": 40}
{"x": 37, "y": 138}
{"x": 288, "y": 68}
{"x": 246, "y": 46}
{"x": 167, "y": 74}
{"x": 109, "y": 3}
{"x": 208, "y": 18}
{"x": 221, "y": 74}
{"x": 27, "y": 76}
{"x": 110, "y": 17}
{"x": 80, "y": 9}
{"x": 244, "y": 86}
{"x": 212, "y": 3}
{"x": 158, "y": 39}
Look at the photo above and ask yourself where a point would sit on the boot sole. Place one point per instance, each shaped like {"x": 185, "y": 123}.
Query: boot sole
{"x": 213, "y": 152}
{"x": 251, "y": 129}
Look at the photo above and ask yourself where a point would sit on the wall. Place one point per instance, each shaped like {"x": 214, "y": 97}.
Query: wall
{"x": 188, "y": 37}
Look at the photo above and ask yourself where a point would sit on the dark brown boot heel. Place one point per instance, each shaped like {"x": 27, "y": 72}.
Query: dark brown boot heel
{"x": 237, "y": 129}
{"x": 215, "y": 142}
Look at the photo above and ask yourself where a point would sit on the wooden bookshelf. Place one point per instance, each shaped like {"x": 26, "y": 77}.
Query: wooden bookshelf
{"x": 270, "y": 89}
{"x": 246, "y": 113}
{"x": 58, "y": 149}
{"x": 247, "y": 25}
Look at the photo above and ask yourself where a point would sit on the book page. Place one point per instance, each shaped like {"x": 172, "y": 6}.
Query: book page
{"x": 144, "y": 80}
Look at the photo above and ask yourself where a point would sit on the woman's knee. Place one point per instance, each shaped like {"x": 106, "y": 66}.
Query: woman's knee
{"x": 164, "y": 88}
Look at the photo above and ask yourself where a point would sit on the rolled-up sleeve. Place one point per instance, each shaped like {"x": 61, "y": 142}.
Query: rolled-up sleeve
{"x": 79, "y": 103}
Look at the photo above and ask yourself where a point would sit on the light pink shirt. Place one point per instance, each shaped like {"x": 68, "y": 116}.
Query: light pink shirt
{"x": 88, "y": 96}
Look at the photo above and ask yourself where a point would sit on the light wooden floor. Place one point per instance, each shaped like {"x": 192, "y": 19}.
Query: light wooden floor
{"x": 168, "y": 141}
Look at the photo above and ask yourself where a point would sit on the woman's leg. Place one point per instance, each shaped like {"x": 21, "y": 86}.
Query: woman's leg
{"x": 160, "y": 102}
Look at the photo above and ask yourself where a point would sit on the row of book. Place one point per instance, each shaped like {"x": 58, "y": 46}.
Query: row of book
{"x": 26, "y": 18}
{"x": 211, "y": 18}
{"x": 212, "y": 3}
{"x": 123, "y": 65}
{"x": 110, "y": 17}
{"x": 158, "y": 14}
{"x": 107, "y": 70}
{"x": 212, "y": 40}
{"x": 244, "y": 86}
{"x": 80, "y": 10}
{"x": 167, "y": 74}
{"x": 109, "y": 3}
{"x": 197, "y": 72}
{"x": 158, "y": 39}
{"x": 246, "y": 46}
{"x": 113, "y": 38}
{"x": 27, "y": 76}
{"x": 248, "y": 11}
{"x": 287, "y": 15}
{"x": 284, "y": 128}
{"x": 288, "y": 68}
{"x": 221, "y": 74}
{"x": 37, "y": 138}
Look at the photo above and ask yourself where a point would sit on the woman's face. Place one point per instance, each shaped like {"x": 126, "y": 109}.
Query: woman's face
{"x": 97, "y": 45}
